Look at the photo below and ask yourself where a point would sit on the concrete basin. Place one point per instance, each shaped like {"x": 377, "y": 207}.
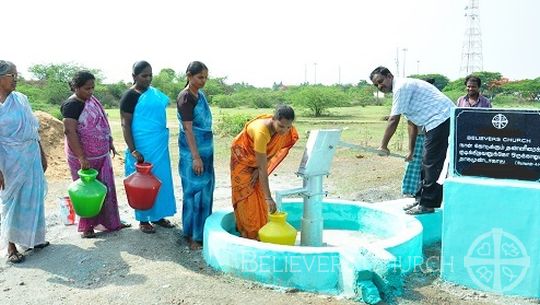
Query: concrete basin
{"x": 366, "y": 251}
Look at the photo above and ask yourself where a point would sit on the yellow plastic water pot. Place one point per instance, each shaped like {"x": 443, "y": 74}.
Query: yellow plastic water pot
{"x": 278, "y": 230}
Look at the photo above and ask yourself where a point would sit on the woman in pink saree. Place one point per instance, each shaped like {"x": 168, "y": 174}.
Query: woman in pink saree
{"x": 88, "y": 142}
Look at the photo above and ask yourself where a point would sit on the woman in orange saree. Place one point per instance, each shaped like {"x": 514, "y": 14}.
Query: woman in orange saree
{"x": 256, "y": 151}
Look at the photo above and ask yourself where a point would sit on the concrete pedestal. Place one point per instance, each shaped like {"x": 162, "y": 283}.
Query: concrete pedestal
{"x": 491, "y": 235}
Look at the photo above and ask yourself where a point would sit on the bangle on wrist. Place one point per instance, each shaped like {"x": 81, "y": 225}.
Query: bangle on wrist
{"x": 133, "y": 151}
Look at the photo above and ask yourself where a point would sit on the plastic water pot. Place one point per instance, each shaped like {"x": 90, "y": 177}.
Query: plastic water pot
{"x": 142, "y": 187}
{"x": 278, "y": 230}
{"x": 87, "y": 193}
{"x": 67, "y": 213}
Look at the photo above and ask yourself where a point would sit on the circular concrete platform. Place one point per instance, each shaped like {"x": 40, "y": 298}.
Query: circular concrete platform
{"x": 367, "y": 251}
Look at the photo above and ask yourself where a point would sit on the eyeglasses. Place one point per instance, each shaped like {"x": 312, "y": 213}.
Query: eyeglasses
{"x": 12, "y": 75}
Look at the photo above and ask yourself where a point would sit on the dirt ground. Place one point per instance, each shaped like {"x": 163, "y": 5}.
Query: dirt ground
{"x": 130, "y": 267}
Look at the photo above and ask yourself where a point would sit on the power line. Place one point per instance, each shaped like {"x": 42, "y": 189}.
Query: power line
{"x": 315, "y": 73}
{"x": 471, "y": 53}
{"x": 397, "y": 61}
{"x": 404, "y": 60}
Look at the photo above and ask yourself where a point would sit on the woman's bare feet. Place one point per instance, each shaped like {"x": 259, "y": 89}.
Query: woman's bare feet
{"x": 195, "y": 245}
{"x": 14, "y": 256}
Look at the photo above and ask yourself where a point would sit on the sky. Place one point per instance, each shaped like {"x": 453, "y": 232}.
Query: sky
{"x": 261, "y": 42}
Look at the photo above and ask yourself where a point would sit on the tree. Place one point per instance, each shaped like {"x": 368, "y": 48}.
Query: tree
{"x": 216, "y": 86}
{"x": 262, "y": 98}
{"x": 236, "y": 87}
{"x": 363, "y": 83}
{"x": 110, "y": 94}
{"x": 168, "y": 81}
{"x": 60, "y": 72}
{"x": 318, "y": 98}
{"x": 117, "y": 89}
{"x": 225, "y": 101}
{"x": 529, "y": 89}
{"x": 364, "y": 95}
{"x": 487, "y": 79}
{"x": 440, "y": 81}
{"x": 55, "y": 80}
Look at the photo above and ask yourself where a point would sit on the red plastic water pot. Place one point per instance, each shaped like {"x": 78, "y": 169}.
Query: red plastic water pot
{"x": 142, "y": 187}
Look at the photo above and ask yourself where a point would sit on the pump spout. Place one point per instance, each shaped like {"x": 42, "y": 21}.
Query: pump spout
{"x": 287, "y": 193}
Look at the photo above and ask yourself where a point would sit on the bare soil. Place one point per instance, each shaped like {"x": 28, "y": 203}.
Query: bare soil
{"x": 130, "y": 267}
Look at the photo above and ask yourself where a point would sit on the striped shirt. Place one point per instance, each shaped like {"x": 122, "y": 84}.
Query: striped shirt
{"x": 421, "y": 102}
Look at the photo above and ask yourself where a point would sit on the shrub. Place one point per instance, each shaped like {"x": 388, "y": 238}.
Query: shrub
{"x": 453, "y": 95}
{"x": 53, "y": 110}
{"x": 231, "y": 124}
{"x": 56, "y": 92}
{"x": 514, "y": 101}
{"x": 363, "y": 96}
{"x": 262, "y": 101}
{"x": 319, "y": 98}
{"x": 224, "y": 101}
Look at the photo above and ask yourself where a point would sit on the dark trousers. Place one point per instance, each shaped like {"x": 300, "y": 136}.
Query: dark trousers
{"x": 435, "y": 145}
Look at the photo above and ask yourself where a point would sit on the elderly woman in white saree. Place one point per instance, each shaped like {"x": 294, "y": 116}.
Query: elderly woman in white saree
{"x": 22, "y": 167}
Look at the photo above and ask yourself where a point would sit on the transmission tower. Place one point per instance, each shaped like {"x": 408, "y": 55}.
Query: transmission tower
{"x": 471, "y": 53}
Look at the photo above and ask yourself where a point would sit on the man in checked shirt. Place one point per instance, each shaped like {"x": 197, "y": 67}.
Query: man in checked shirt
{"x": 423, "y": 105}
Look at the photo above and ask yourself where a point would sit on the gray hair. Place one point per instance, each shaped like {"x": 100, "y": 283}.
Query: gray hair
{"x": 5, "y": 67}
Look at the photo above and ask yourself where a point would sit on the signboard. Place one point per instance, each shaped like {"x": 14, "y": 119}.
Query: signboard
{"x": 497, "y": 143}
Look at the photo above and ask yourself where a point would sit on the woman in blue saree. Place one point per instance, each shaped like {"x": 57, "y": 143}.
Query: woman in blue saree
{"x": 144, "y": 126}
{"x": 22, "y": 167}
{"x": 196, "y": 166}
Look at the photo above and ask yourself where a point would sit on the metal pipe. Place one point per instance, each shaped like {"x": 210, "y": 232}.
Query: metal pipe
{"x": 280, "y": 194}
{"x": 312, "y": 221}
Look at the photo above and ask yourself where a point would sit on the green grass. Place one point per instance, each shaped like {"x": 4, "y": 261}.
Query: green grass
{"x": 508, "y": 101}
{"x": 355, "y": 174}
{"x": 361, "y": 125}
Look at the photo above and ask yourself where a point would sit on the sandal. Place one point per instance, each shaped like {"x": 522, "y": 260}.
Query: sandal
{"x": 15, "y": 258}
{"x": 89, "y": 234}
{"x": 411, "y": 205}
{"x": 147, "y": 228}
{"x": 124, "y": 225}
{"x": 418, "y": 210}
{"x": 164, "y": 223}
{"x": 43, "y": 245}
